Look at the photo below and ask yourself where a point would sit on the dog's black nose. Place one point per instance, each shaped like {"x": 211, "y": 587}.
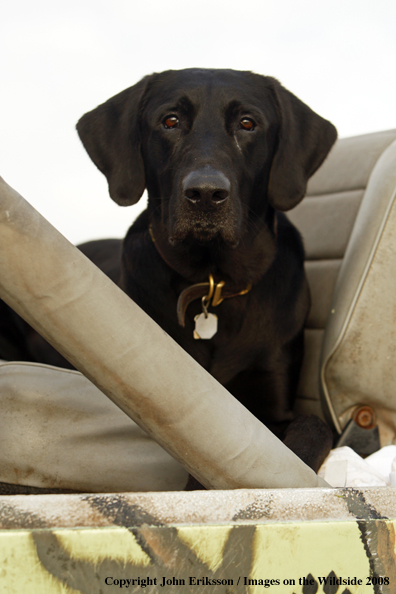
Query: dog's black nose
{"x": 206, "y": 185}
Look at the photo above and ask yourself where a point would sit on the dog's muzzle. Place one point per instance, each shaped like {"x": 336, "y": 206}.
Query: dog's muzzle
{"x": 204, "y": 208}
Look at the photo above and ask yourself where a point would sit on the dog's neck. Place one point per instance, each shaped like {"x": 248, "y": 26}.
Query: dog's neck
{"x": 239, "y": 266}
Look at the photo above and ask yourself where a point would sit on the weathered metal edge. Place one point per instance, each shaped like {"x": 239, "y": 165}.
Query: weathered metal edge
{"x": 198, "y": 507}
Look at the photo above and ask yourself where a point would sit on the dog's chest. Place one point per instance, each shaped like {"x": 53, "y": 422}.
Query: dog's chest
{"x": 244, "y": 324}
{"x": 235, "y": 345}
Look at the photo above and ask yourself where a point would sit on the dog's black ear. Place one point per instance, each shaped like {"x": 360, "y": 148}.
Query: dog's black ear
{"x": 110, "y": 135}
{"x": 305, "y": 139}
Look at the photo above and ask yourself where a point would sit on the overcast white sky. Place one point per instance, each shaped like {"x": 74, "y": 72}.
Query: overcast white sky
{"x": 61, "y": 59}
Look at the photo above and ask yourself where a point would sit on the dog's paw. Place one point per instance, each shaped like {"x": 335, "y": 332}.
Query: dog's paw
{"x": 310, "y": 439}
{"x": 193, "y": 484}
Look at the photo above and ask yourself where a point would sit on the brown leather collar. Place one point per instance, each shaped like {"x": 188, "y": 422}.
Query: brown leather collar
{"x": 211, "y": 293}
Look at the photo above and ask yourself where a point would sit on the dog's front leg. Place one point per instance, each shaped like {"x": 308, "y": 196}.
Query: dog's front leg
{"x": 269, "y": 395}
{"x": 310, "y": 439}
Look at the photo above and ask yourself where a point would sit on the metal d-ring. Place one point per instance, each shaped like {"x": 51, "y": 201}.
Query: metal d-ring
{"x": 208, "y": 297}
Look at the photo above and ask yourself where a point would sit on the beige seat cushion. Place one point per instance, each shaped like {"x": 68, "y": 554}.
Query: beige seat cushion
{"x": 345, "y": 218}
{"x": 57, "y": 430}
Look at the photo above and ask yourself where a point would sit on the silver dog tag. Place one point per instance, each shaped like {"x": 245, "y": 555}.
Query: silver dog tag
{"x": 205, "y": 326}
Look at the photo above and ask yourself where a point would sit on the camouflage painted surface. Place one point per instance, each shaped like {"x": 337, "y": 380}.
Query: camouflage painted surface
{"x": 125, "y": 547}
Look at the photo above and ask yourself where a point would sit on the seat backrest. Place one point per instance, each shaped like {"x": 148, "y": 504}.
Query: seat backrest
{"x": 342, "y": 221}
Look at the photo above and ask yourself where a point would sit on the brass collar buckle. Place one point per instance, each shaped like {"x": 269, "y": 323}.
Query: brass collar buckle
{"x": 214, "y": 293}
{"x": 210, "y": 293}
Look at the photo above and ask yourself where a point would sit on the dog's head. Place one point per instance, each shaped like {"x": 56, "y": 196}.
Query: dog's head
{"x": 213, "y": 147}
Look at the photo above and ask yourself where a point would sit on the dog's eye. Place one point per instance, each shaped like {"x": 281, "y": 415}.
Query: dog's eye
{"x": 171, "y": 122}
{"x": 247, "y": 124}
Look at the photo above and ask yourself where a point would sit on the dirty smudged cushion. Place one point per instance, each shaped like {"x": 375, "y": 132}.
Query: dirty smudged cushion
{"x": 347, "y": 222}
{"x": 57, "y": 430}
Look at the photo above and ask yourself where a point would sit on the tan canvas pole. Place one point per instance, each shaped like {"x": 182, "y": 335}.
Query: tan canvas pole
{"x": 133, "y": 361}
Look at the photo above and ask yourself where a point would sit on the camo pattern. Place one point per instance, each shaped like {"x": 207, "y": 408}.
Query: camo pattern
{"x": 134, "y": 550}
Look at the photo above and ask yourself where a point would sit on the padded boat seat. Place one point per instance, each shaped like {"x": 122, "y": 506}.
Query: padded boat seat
{"x": 57, "y": 430}
{"x": 348, "y": 223}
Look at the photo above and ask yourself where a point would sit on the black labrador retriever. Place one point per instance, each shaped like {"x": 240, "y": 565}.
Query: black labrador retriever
{"x": 213, "y": 260}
